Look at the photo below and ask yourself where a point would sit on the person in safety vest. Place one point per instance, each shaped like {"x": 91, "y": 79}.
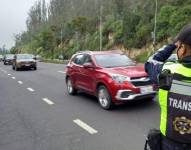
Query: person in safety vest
{"x": 174, "y": 82}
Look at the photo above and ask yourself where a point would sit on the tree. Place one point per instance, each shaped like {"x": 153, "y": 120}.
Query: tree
{"x": 75, "y": 24}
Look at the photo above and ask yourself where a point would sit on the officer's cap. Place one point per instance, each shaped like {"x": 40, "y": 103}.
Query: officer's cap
{"x": 184, "y": 35}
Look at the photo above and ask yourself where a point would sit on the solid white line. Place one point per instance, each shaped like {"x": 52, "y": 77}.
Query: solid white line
{"x": 30, "y": 89}
{"x": 13, "y": 78}
{"x": 85, "y": 126}
{"x": 62, "y": 72}
{"x": 48, "y": 101}
{"x": 20, "y": 82}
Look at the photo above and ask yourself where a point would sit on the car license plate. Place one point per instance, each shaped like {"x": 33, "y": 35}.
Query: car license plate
{"x": 146, "y": 89}
{"x": 27, "y": 65}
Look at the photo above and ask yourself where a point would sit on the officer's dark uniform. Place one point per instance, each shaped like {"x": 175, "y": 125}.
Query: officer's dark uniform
{"x": 174, "y": 99}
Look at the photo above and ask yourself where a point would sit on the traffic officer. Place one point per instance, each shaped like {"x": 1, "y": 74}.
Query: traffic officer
{"x": 174, "y": 82}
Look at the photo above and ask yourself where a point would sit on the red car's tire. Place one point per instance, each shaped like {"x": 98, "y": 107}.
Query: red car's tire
{"x": 104, "y": 98}
{"x": 70, "y": 88}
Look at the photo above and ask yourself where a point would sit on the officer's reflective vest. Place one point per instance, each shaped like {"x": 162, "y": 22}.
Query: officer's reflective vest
{"x": 176, "y": 105}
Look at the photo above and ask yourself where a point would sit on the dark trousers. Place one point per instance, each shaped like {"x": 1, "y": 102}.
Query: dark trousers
{"x": 167, "y": 144}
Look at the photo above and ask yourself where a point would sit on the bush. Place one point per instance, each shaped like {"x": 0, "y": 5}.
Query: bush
{"x": 142, "y": 58}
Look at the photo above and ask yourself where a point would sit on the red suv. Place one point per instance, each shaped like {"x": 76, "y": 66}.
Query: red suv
{"x": 110, "y": 76}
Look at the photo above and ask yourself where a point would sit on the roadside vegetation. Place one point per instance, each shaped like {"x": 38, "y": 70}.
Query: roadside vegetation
{"x": 64, "y": 27}
{"x": 54, "y": 61}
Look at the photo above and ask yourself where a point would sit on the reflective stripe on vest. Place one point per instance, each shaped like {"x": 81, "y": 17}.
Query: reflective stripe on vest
{"x": 178, "y": 87}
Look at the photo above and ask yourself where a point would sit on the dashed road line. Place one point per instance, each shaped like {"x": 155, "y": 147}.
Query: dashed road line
{"x": 62, "y": 72}
{"x": 20, "y": 82}
{"x": 13, "y": 78}
{"x": 48, "y": 101}
{"x": 85, "y": 126}
{"x": 30, "y": 89}
{"x": 9, "y": 74}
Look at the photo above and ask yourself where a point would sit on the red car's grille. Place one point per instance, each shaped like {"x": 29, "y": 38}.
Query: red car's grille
{"x": 143, "y": 81}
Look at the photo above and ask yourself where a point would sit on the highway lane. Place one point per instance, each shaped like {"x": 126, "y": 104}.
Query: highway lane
{"x": 53, "y": 126}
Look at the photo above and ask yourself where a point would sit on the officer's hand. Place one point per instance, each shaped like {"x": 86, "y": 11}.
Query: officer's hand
{"x": 177, "y": 44}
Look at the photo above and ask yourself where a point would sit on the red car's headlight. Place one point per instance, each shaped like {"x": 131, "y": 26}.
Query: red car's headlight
{"x": 119, "y": 78}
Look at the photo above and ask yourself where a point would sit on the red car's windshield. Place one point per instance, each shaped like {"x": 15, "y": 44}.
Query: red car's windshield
{"x": 113, "y": 60}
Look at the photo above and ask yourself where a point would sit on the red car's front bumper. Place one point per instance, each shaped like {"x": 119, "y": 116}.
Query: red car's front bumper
{"x": 127, "y": 92}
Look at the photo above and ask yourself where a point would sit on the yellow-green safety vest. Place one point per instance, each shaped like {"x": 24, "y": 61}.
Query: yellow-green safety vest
{"x": 175, "y": 105}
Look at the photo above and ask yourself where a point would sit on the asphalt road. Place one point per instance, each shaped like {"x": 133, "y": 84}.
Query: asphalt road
{"x": 36, "y": 113}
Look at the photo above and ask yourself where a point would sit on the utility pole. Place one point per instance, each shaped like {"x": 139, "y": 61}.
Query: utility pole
{"x": 4, "y": 49}
{"x": 155, "y": 25}
{"x": 101, "y": 40}
{"x": 61, "y": 37}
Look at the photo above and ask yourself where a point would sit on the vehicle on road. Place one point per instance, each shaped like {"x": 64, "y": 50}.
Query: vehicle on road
{"x": 24, "y": 61}
{"x": 8, "y": 59}
{"x": 111, "y": 76}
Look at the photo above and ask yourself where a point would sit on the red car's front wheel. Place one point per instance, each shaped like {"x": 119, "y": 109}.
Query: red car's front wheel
{"x": 104, "y": 98}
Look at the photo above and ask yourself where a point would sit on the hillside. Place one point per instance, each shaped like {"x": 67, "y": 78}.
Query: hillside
{"x": 66, "y": 26}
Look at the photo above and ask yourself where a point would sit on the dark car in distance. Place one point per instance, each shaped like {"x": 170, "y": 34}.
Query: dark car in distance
{"x": 8, "y": 59}
{"x": 110, "y": 76}
{"x": 24, "y": 61}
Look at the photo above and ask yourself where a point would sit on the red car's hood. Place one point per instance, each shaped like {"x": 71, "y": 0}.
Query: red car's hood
{"x": 130, "y": 71}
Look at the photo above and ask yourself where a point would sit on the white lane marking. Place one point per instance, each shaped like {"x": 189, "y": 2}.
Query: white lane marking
{"x": 48, "y": 101}
{"x": 20, "y": 82}
{"x": 85, "y": 126}
{"x": 30, "y": 89}
{"x": 13, "y": 78}
{"x": 9, "y": 74}
{"x": 62, "y": 72}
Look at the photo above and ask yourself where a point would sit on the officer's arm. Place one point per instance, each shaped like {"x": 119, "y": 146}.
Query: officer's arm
{"x": 154, "y": 64}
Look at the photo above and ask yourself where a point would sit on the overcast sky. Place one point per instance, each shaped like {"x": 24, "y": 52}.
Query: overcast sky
{"x": 13, "y": 15}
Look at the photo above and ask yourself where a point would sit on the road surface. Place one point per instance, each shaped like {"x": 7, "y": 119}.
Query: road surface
{"x": 36, "y": 113}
